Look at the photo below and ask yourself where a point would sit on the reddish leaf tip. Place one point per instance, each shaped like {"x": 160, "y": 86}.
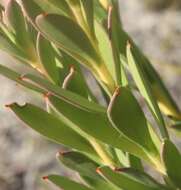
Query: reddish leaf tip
{"x": 9, "y": 105}
{"x": 98, "y": 170}
{"x": 47, "y": 95}
{"x": 22, "y": 77}
{"x": 61, "y": 153}
{"x": 129, "y": 44}
{"x": 44, "y": 14}
{"x": 45, "y": 177}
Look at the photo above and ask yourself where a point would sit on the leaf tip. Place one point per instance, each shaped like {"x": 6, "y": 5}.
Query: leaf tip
{"x": 22, "y": 77}
{"x": 45, "y": 178}
{"x": 40, "y": 16}
{"x": 47, "y": 95}
{"x": 129, "y": 44}
{"x": 98, "y": 170}
{"x": 44, "y": 14}
{"x": 61, "y": 153}
{"x": 9, "y": 105}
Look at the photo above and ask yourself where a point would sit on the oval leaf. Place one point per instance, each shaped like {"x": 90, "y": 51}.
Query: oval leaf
{"x": 51, "y": 127}
{"x": 94, "y": 123}
{"x": 124, "y": 106}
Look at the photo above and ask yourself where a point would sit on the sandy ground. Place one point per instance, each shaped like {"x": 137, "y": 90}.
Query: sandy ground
{"x": 24, "y": 155}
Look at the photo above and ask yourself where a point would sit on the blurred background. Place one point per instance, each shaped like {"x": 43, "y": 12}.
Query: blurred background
{"x": 25, "y": 156}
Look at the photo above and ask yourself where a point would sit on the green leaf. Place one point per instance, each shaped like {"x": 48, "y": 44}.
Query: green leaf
{"x": 66, "y": 183}
{"x": 105, "y": 47}
{"x": 130, "y": 179}
{"x": 51, "y": 127}
{"x": 172, "y": 161}
{"x": 154, "y": 136}
{"x": 88, "y": 12}
{"x": 124, "y": 106}
{"x": 17, "y": 23}
{"x": 46, "y": 86}
{"x": 164, "y": 99}
{"x": 68, "y": 37}
{"x": 135, "y": 162}
{"x": 78, "y": 12}
{"x": 113, "y": 33}
{"x": 102, "y": 130}
{"x": 108, "y": 39}
{"x": 47, "y": 56}
{"x": 79, "y": 163}
{"x": 100, "y": 184}
{"x": 66, "y": 95}
{"x": 32, "y": 10}
{"x": 100, "y": 13}
{"x": 55, "y": 7}
{"x": 161, "y": 93}
{"x": 86, "y": 169}
{"x": 18, "y": 78}
{"x": 104, "y": 3}
{"x": 144, "y": 87}
{"x": 122, "y": 157}
{"x": 9, "y": 47}
{"x": 5, "y": 31}
{"x": 15, "y": 17}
